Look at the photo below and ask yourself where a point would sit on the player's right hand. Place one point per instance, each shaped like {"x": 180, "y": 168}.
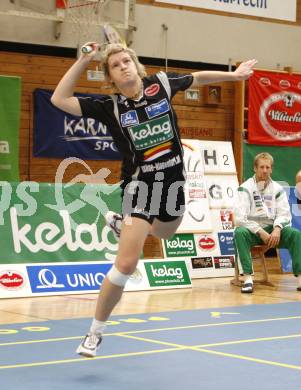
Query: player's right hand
{"x": 89, "y": 50}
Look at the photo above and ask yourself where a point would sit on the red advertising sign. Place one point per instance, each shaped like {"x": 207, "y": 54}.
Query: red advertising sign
{"x": 206, "y": 243}
{"x": 274, "y": 109}
{"x": 11, "y": 279}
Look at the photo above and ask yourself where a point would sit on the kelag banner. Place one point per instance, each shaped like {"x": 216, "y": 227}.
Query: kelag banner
{"x": 10, "y": 96}
{"x": 41, "y": 222}
{"x": 287, "y": 161}
{"x": 274, "y": 109}
{"x": 58, "y": 134}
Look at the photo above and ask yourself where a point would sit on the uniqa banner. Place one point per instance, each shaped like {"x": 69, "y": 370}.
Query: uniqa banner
{"x": 274, "y": 109}
{"x": 10, "y": 99}
{"x": 274, "y": 9}
{"x": 41, "y": 222}
{"x": 58, "y": 134}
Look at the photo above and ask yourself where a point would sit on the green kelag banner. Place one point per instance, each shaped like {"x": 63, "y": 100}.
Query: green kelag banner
{"x": 41, "y": 222}
{"x": 10, "y": 96}
{"x": 287, "y": 161}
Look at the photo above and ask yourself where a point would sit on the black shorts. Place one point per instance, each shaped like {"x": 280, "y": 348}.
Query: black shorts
{"x": 164, "y": 200}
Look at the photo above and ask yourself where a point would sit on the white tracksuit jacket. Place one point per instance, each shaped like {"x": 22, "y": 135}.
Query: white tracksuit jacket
{"x": 255, "y": 208}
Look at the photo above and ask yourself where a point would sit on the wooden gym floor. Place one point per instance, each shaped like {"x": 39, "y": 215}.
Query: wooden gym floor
{"x": 205, "y": 293}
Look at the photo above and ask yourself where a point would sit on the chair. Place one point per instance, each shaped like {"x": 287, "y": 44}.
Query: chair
{"x": 257, "y": 253}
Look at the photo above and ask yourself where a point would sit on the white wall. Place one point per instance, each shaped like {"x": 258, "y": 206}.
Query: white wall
{"x": 214, "y": 39}
{"x": 192, "y": 36}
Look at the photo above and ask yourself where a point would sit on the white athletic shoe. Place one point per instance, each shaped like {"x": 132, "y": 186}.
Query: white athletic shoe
{"x": 89, "y": 345}
{"x": 114, "y": 221}
{"x": 247, "y": 288}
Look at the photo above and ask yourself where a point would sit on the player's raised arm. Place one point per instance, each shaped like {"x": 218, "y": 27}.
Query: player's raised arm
{"x": 63, "y": 95}
{"x": 242, "y": 72}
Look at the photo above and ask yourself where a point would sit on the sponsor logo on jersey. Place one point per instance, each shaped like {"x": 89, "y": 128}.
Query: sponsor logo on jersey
{"x": 152, "y": 133}
{"x": 157, "y": 108}
{"x": 130, "y": 118}
{"x": 160, "y": 166}
{"x": 157, "y": 151}
{"x": 152, "y": 90}
{"x": 140, "y": 104}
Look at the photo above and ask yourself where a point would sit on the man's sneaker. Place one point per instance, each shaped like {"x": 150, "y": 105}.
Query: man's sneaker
{"x": 247, "y": 288}
{"x": 114, "y": 221}
{"x": 89, "y": 345}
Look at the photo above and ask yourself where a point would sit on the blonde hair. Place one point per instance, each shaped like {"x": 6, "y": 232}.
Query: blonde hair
{"x": 263, "y": 156}
{"x": 115, "y": 48}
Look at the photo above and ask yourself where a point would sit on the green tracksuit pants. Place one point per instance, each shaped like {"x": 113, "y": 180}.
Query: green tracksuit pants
{"x": 290, "y": 239}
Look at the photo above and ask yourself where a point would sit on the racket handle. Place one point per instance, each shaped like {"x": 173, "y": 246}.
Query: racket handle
{"x": 87, "y": 49}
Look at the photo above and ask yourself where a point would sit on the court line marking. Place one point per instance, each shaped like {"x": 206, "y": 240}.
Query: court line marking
{"x": 175, "y": 347}
{"x": 80, "y": 360}
{"x": 154, "y": 330}
{"x": 256, "y": 360}
{"x": 155, "y": 341}
{"x": 271, "y": 338}
{"x": 231, "y": 355}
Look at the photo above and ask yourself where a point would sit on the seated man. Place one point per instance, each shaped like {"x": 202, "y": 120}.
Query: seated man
{"x": 263, "y": 216}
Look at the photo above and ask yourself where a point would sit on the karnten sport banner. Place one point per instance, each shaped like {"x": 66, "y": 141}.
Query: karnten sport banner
{"x": 10, "y": 99}
{"x": 60, "y": 135}
{"x": 274, "y": 109}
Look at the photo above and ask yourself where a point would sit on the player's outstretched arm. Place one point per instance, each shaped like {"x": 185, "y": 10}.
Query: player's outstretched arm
{"x": 242, "y": 72}
{"x": 63, "y": 95}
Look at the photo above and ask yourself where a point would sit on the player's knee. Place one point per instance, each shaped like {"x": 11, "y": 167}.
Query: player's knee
{"x": 117, "y": 277}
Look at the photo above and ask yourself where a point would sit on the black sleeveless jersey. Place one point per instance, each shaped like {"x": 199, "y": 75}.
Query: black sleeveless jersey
{"x": 144, "y": 131}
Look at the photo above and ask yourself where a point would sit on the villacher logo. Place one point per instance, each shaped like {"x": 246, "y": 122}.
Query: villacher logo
{"x": 207, "y": 243}
{"x": 280, "y": 116}
{"x": 11, "y": 280}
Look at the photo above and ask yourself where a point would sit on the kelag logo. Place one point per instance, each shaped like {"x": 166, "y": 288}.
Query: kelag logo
{"x": 151, "y": 133}
{"x": 69, "y": 277}
{"x": 168, "y": 273}
{"x": 226, "y": 243}
{"x": 180, "y": 245}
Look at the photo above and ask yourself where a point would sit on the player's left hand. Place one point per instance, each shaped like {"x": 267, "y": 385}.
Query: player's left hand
{"x": 274, "y": 237}
{"x": 245, "y": 70}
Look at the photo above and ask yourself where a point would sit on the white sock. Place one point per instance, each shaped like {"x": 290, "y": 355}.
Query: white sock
{"x": 97, "y": 327}
{"x": 248, "y": 279}
{"x": 299, "y": 280}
